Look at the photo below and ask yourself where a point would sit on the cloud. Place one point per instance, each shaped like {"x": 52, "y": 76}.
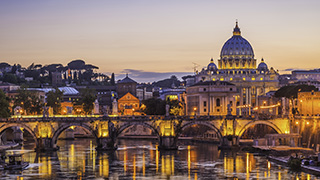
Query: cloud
{"x": 146, "y": 76}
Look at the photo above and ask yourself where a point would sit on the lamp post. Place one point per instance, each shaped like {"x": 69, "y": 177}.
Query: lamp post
{"x": 195, "y": 111}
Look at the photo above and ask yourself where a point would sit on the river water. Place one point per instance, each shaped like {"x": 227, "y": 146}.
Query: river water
{"x": 141, "y": 159}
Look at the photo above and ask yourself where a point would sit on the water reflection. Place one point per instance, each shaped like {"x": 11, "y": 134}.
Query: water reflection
{"x": 137, "y": 159}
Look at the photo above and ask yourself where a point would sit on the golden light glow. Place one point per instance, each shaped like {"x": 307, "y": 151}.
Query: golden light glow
{"x": 297, "y": 122}
{"x": 157, "y": 158}
{"x": 189, "y": 161}
{"x": 261, "y": 79}
{"x": 244, "y": 79}
{"x": 253, "y": 79}
{"x": 134, "y": 167}
{"x": 231, "y": 79}
{"x": 308, "y": 123}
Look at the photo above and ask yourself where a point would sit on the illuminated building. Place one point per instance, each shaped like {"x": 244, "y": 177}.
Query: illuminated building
{"x": 211, "y": 98}
{"x": 237, "y": 65}
{"x": 126, "y": 85}
{"x": 308, "y": 103}
{"x": 129, "y": 105}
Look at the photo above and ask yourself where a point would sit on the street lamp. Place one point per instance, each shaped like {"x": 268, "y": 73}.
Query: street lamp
{"x": 195, "y": 111}
{"x": 132, "y": 111}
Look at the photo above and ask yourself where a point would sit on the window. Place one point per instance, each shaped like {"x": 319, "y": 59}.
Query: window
{"x": 218, "y": 102}
{"x": 230, "y": 103}
{"x": 230, "y": 89}
{"x": 205, "y": 103}
{"x": 204, "y": 110}
{"x": 204, "y": 89}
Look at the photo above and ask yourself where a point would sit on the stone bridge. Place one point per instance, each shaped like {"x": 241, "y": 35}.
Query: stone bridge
{"x": 46, "y": 130}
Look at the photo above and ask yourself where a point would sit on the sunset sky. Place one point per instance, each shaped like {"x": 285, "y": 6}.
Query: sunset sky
{"x": 152, "y": 39}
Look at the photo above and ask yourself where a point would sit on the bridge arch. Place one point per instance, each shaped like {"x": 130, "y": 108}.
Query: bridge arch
{"x": 66, "y": 126}
{"x": 208, "y": 124}
{"x": 129, "y": 124}
{"x": 254, "y": 122}
{"x": 26, "y": 127}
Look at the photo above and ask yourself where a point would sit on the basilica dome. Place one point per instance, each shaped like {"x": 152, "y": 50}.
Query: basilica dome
{"x": 237, "y": 45}
{"x": 262, "y": 66}
{"x": 212, "y": 66}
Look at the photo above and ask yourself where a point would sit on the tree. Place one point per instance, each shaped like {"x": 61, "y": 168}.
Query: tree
{"x": 88, "y": 97}
{"x": 23, "y": 99}
{"x": 29, "y": 101}
{"x": 175, "y": 107}
{"x": 4, "y": 105}
{"x": 112, "y": 81}
{"x": 54, "y": 100}
{"x": 292, "y": 90}
{"x": 154, "y": 106}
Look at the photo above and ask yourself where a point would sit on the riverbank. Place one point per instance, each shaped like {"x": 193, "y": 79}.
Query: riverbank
{"x": 284, "y": 161}
{"x": 9, "y": 146}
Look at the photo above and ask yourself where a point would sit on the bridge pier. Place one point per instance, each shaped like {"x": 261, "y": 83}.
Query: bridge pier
{"x": 168, "y": 143}
{"x": 229, "y": 142}
{"x": 45, "y": 145}
{"x": 17, "y": 135}
{"x": 106, "y": 144}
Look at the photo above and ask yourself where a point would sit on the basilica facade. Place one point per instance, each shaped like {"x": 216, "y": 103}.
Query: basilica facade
{"x": 237, "y": 65}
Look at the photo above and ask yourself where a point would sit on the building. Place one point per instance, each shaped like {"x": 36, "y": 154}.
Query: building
{"x": 56, "y": 79}
{"x": 143, "y": 93}
{"x": 211, "y": 98}
{"x": 129, "y": 105}
{"x": 238, "y": 66}
{"x": 308, "y": 103}
{"x": 302, "y": 75}
{"x": 126, "y": 85}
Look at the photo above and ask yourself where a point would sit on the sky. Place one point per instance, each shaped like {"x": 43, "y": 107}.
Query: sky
{"x": 151, "y": 39}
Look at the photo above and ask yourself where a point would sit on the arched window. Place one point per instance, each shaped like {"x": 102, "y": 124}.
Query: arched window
{"x": 218, "y": 102}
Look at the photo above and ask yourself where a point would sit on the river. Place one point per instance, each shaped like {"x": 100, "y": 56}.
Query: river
{"x": 141, "y": 159}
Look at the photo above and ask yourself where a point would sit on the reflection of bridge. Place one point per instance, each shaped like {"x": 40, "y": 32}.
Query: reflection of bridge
{"x": 106, "y": 130}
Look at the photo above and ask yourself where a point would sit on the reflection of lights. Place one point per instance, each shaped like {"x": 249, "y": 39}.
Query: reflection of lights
{"x": 143, "y": 163}
{"x": 189, "y": 161}
{"x": 157, "y": 158}
{"x": 125, "y": 158}
{"x": 134, "y": 167}
{"x": 269, "y": 165}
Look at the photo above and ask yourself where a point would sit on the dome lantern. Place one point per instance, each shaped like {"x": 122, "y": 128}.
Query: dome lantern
{"x": 236, "y": 30}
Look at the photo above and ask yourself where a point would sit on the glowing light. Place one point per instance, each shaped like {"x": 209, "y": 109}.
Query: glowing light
{"x": 231, "y": 79}
{"x": 297, "y": 122}
{"x": 261, "y": 79}
{"x": 244, "y": 79}
{"x": 307, "y": 122}
{"x": 253, "y": 79}
{"x": 157, "y": 158}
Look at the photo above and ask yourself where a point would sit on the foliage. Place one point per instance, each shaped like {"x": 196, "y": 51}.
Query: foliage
{"x": 10, "y": 78}
{"x": 154, "y": 106}
{"x": 294, "y": 163}
{"x": 88, "y": 97}
{"x": 4, "y": 105}
{"x": 54, "y": 100}
{"x": 112, "y": 81}
{"x": 29, "y": 101}
{"x": 175, "y": 107}
{"x": 292, "y": 90}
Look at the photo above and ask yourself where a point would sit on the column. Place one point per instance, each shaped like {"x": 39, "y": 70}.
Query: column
{"x": 241, "y": 96}
{"x": 249, "y": 100}
{"x": 213, "y": 105}
{"x": 226, "y": 106}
